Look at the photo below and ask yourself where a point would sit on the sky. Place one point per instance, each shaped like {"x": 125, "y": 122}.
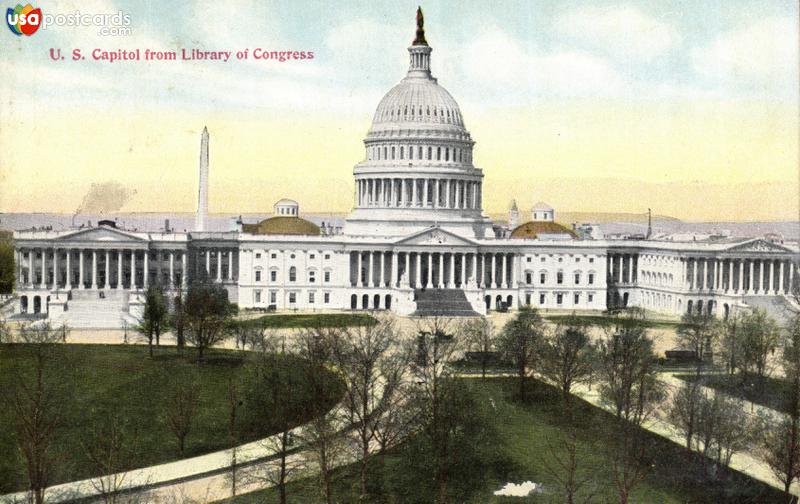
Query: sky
{"x": 688, "y": 108}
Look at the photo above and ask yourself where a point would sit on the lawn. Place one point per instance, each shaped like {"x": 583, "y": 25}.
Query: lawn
{"x": 529, "y": 435}
{"x": 768, "y": 391}
{"x": 602, "y": 321}
{"x": 311, "y": 320}
{"x": 92, "y": 383}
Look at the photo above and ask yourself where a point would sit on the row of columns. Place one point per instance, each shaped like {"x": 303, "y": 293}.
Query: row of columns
{"x": 211, "y": 261}
{"x": 433, "y": 269}
{"x": 419, "y": 192}
{"x": 90, "y": 259}
{"x": 748, "y": 276}
{"x": 622, "y": 268}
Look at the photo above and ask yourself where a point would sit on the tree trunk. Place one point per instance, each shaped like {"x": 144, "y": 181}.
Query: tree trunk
{"x": 442, "y": 491}
{"x": 363, "y": 475}
{"x": 282, "y": 478}
{"x": 522, "y": 382}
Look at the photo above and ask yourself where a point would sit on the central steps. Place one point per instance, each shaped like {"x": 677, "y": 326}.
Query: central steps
{"x": 442, "y": 303}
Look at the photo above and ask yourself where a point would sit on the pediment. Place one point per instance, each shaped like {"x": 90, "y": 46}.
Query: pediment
{"x": 435, "y": 236}
{"x": 759, "y": 245}
{"x": 100, "y": 234}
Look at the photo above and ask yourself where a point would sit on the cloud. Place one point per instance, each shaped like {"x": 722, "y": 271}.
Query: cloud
{"x": 624, "y": 32}
{"x": 499, "y": 61}
{"x": 763, "y": 54}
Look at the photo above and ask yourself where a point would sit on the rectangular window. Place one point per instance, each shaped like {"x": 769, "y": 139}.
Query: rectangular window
{"x": 528, "y": 299}
{"x": 258, "y": 275}
{"x": 542, "y": 278}
{"x": 591, "y": 278}
{"x": 528, "y": 279}
{"x": 274, "y": 256}
{"x": 273, "y": 297}
{"x": 591, "y": 259}
{"x": 560, "y": 277}
{"x": 590, "y": 297}
{"x": 577, "y": 298}
{"x": 327, "y": 276}
{"x": 312, "y": 276}
{"x": 326, "y": 298}
{"x": 541, "y": 299}
{"x": 327, "y": 256}
{"x": 273, "y": 276}
{"x": 310, "y": 298}
{"x": 258, "y": 296}
{"x": 577, "y": 278}
{"x": 559, "y": 298}
{"x": 292, "y": 298}
{"x": 258, "y": 255}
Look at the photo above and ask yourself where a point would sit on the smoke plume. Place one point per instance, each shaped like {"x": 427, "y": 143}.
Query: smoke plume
{"x": 105, "y": 198}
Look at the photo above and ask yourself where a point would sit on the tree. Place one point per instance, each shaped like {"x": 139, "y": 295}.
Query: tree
{"x": 35, "y": 409}
{"x": 629, "y": 384}
{"x": 5, "y": 332}
{"x": 480, "y": 337}
{"x": 109, "y": 447}
{"x": 155, "y": 317}
{"x": 759, "y": 338}
{"x": 7, "y": 267}
{"x": 519, "y": 342}
{"x": 563, "y": 465}
{"x": 685, "y": 410}
{"x": 698, "y": 332}
{"x": 234, "y": 403}
{"x": 567, "y": 355}
{"x": 206, "y": 313}
{"x": 178, "y": 320}
{"x": 372, "y": 367}
{"x": 730, "y": 343}
{"x": 724, "y": 428}
{"x": 182, "y": 412}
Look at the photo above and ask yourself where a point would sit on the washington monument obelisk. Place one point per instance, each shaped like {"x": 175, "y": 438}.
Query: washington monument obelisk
{"x": 202, "y": 192}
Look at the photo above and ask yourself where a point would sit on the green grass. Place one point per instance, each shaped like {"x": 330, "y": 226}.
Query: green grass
{"x": 94, "y": 382}
{"x": 767, "y": 391}
{"x": 311, "y": 320}
{"x": 530, "y": 434}
{"x": 603, "y": 320}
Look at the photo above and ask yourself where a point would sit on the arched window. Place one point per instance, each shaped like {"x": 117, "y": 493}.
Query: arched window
{"x": 384, "y": 153}
{"x": 430, "y": 152}
{"x": 410, "y": 152}
{"x": 402, "y": 152}
{"x": 419, "y": 152}
{"x": 292, "y": 274}
{"x": 447, "y": 154}
{"x": 438, "y": 153}
{"x": 392, "y": 152}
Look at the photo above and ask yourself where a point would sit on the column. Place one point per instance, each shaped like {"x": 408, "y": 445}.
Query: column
{"x": 740, "y": 280}
{"x": 620, "y": 273}
{"x": 771, "y": 276}
{"x": 447, "y": 193}
{"x": 429, "y": 276}
{"x": 504, "y": 273}
{"x": 146, "y": 271}
{"x": 513, "y": 272}
{"x": 492, "y": 279}
{"x": 108, "y": 269}
{"x": 381, "y": 270}
{"x": 81, "y": 283}
{"x": 750, "y": 289}
{"x": 630, "y": 268}
{"x": 425, "y": 192}
{"x": 704, "y": 285}
{"x": 418, "y": 272}
{"x": 94, "y": 269}
{"x": 791, "y": 275}
{"x": 402, "y": 192}
{"x": 371, "y": 270}
{"x": 452, "y": 282}
{"x": 43, "y": 283}
{"x": 230, "y": 264}
{"x": 133, "y": 270}
{"x": 184, "y": 275}
{"x": 474, "y": 267}
{"x": 208, "y": 262}
{"x": 436, "y": 193}
{"x": 219, "y": 265}
{"x": 407, "y": 271}
{"x": 730, "y": 276}
{"x": 413, "y": 192}
{"x": 782, "y": 280}
{"x": 55, "y": 269}
{"x": 119, "y": 269}
{"x": 172, "y": 269}
{"x": 69, "y": 269}
{"x": 394, "y": 269}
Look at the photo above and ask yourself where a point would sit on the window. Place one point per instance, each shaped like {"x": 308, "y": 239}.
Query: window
{"x": 310, "y": 298}
{"x": 577, "y": 298}
{"x": 542, "y": 278}
{"x": 577, "y": 259}
{"x": 258, "y": 255}
{"x": 292, "y": 298}
{"x": 291, "y": 256}
{"x": 590, "y": 297}
{"x": 577, "y": 278}
{"x": 258, "y": 296}
{"x": 528, "y": 279}
{"x": 419, "y": 152}
{"x": 273, "y": 276}
{"x": 560, "y": 277}
{"x": 559, "y": 298}
{"x": 327, "y": 256}
{"x": 312, "y": 276}
{"x": 438, "y": 153}
{"x": 430, "y": 151}
{"x": 258, "y": 275}
{"x": 327, "y": 276}
{"x": 560, "y": 259}
{"x": 402, "y": 152}
{"x": 326, "y": 298}
{"x": 527, "y": 299}
{"x": 542, "y": 259}
{"x": 541, "y": 299}
{"x": 591, "y": 278}
{"x": 274, "y": 255}
{"x": 392, "y": 151}
{"x": 292, "y": 274}
{"x": 312, "y": 256}
{"x": 273, "y": 297}
{"x": 591, "y": 259}
{"x": 528, "y": 259}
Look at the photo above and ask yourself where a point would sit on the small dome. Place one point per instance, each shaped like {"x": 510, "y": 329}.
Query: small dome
{"x": 532, "y": 230}
{"x": 282, "y": 226}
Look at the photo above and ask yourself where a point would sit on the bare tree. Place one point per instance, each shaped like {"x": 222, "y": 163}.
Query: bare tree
{"x": 759, "y": 338}
{"x": 628, "y": 375}
{"x": 326, "y": 449}
{"x": 35, "y": 409}
{"x": 699, "y": 332}
{"x": 182, "y": 411}
{"x": 480, "y": 337}
{"x": 108, "y": 448}
{"x": 564, "y": 465}
{"x": 5, "y": 332}
{"x": 567, "y": 356}
{"x": 371, "y": 366}
{"x": 519, "y": 342}
{"x": 684, "y": 412}
{"x": 234, "y": 403}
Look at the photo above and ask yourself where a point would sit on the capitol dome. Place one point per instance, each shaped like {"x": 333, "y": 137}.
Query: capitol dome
{"x": 417, "y": 171}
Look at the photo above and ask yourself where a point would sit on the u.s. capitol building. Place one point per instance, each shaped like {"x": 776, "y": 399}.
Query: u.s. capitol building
{"x": 416, "y": 242}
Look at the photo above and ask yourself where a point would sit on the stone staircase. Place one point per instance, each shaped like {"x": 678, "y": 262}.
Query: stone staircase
{"x": 777, "y": 307}
{"x": 442, "y": 303}
{"x": 87, "y": 310}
